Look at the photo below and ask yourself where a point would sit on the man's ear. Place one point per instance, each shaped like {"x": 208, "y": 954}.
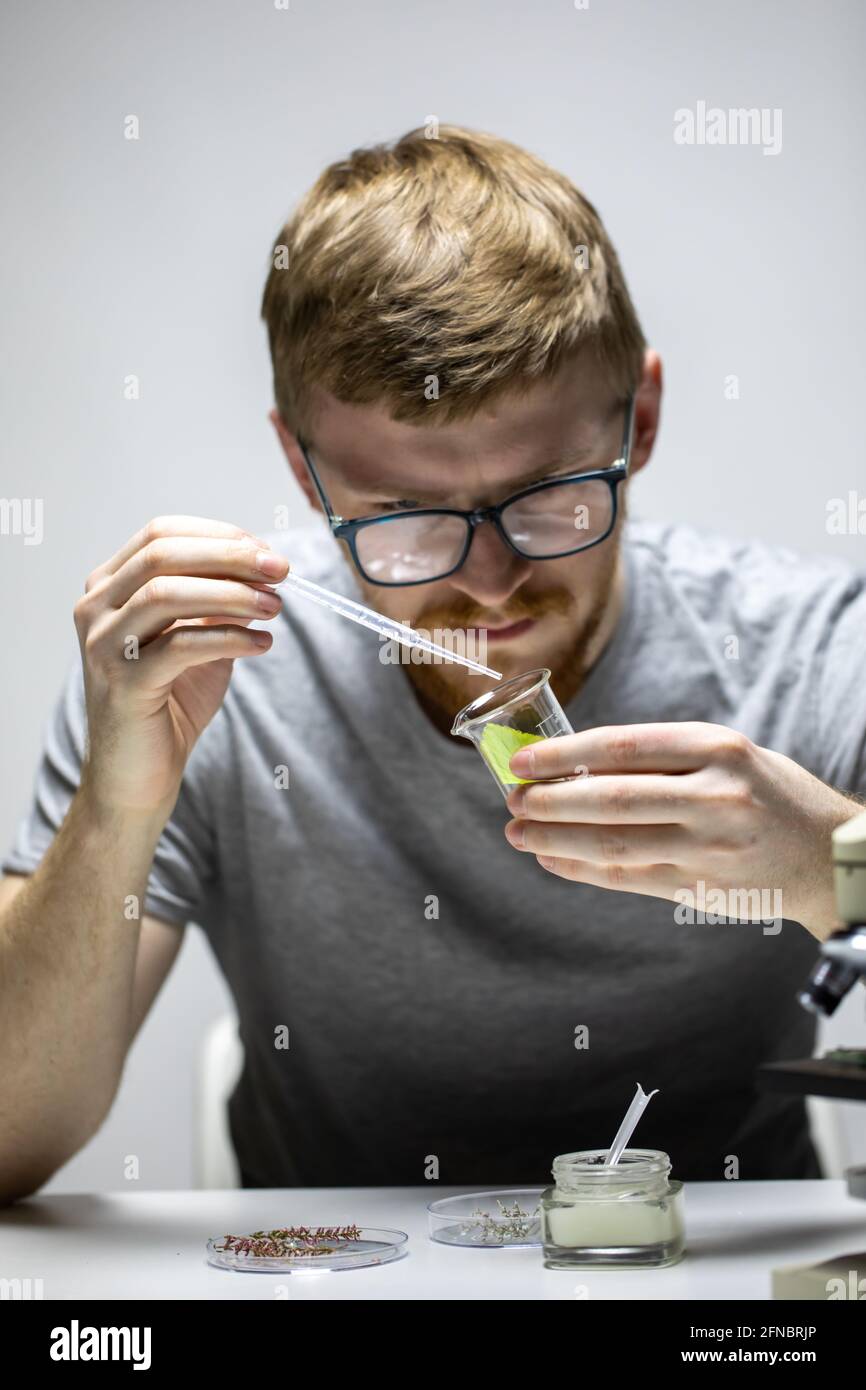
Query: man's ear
{"x": 292, "y": 451}
{"x": 647, "y": 411}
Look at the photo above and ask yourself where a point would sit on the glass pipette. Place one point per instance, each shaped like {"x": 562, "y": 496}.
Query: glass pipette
{"x": 629, "y": 1124}
{"x": 386, "y": 627}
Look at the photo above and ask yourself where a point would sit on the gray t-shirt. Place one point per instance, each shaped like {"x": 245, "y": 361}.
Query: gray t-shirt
{"x": 413, "y": 1035}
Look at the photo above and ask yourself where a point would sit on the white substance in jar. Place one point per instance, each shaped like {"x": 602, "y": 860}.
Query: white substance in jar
{"x": 628, "y": 1213}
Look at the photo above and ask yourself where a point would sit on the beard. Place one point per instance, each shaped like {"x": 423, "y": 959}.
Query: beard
{"x": 442, "y": 689}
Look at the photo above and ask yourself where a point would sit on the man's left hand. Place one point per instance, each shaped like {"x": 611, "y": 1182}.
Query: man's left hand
{"x": 654, "y": 808}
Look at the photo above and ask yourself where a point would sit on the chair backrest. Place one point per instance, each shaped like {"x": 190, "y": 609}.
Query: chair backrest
{"x": 220, "y": 1063}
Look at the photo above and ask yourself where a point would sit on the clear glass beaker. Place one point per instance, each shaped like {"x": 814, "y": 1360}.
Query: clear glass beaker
{"x": 520, "y": 711}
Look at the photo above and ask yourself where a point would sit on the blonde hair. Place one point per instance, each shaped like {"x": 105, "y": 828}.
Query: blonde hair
{"x": 459, "y": 258}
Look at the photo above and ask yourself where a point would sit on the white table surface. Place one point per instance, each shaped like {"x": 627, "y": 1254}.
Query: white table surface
{"x": 151, "y": 1245}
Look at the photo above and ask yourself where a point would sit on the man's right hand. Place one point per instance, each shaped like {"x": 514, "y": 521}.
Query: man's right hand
{"x": 160, "y": 625}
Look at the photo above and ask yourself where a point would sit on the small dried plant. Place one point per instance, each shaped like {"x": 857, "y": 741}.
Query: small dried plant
{"x": 512, "y": 1223}
{"x": 286, "y": 1241}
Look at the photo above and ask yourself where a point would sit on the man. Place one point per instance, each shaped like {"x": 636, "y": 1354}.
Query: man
{"x": 427, "y": 989}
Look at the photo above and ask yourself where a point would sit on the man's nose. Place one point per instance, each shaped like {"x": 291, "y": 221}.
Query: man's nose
{"x": 491, "y": 572}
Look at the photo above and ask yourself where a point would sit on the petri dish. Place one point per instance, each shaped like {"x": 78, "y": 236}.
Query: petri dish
{"x": 371, "y": 1246}
{"x": 508, "y": 1218}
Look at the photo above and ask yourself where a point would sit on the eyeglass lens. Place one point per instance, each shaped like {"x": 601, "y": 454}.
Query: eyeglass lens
{"x": 555, "y": 520}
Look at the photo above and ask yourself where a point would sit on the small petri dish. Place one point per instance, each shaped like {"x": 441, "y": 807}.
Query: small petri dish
{"x": 508, "y": 1218}
{"x": 371, "y": 1246}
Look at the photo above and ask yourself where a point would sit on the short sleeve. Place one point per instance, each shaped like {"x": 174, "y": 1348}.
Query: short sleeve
{"x": 183, "y": 862}
{"x": 841, "y": 691}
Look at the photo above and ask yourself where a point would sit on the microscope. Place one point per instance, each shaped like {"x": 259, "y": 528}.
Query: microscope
{"x": 842, "y": 1074}
{"x": 843, "y": 955}
{"x": 842, "y": 963}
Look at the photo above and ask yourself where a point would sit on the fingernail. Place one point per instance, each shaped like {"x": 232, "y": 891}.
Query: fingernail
{"x": 515, "y": 800}
{"x": 545, "y": 861}
{"x": 268, "y": 600}
{"x": 270, "y": 563}
{"x": 261, "y": 638}
{"x": 515, "y": 833}
{"x": 523, "y": 762}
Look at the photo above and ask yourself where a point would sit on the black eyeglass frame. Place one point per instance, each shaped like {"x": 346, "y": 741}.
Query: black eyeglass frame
{"x": 347, "y": 529}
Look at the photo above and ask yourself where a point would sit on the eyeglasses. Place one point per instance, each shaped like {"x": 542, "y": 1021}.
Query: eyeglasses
{"x": 544, "y": 522}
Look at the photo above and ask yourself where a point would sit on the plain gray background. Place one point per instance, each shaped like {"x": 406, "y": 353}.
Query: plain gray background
{"x": 149, "y": 257}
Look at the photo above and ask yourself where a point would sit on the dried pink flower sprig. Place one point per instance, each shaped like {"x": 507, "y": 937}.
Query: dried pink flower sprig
{"x": 290, "y": 1240}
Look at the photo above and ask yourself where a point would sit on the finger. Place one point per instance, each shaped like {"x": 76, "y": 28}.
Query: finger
{"x": 174, "y": 652}
{"x": 164, "y": 601}
{"x": 214, "y": 619}
{"x": 195, "y": 556}
{"x": 643, "y": 799}
{"x": 605, "y": 844}
{"x": 163, "y": 526}
{"x": 652, "y": 880}
{"x": 677, "y": 747}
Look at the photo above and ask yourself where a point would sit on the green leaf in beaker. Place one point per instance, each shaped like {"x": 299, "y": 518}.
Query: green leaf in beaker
{"x": 499, "y": 743}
